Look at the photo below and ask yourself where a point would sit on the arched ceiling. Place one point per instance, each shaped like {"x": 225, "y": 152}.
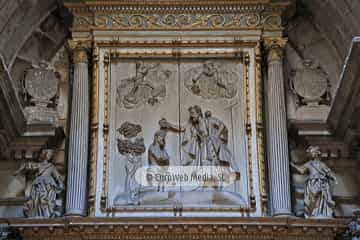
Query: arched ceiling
{"x": 33, "y": 30}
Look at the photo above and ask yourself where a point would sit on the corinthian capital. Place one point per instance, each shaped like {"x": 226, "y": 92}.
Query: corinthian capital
{"x": 80, "y": 50}
{"x": 275, "y": 48}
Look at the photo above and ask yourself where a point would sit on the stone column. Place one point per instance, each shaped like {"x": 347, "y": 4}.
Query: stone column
{"x": 277, "y": 138}
{"x": 76, "y": 192}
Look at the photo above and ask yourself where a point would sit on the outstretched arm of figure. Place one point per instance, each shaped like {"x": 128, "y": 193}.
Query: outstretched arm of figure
{"x": 221, "y": 129}
{"x": 333, "y": 177}
{"x": 197, "y": 77}
{"x": 300, "y": 169}
{"x": 23, "y": 168}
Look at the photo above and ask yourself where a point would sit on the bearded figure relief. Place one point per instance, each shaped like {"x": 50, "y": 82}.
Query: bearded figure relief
{"x": 205, "y": 141}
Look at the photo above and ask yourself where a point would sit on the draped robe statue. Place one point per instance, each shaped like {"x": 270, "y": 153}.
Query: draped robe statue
{"x": 47, "y": 184}
{"x": 317, "y": 197}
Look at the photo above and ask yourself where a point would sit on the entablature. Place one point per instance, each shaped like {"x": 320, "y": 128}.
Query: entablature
{"x": 177, "y": 15}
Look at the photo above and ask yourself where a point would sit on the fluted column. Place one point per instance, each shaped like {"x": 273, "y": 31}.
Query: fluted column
{"x": 76, "y": 192}
{"x": 277, "y": 138}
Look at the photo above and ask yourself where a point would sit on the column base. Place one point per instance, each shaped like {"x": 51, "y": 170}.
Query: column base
{"x": 282, "y": 213}
{"x": 74, "y": 213}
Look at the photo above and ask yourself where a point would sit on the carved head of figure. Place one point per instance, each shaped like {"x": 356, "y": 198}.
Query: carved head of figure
{"x": 314, "y": 152}
{"x": 209, "y": 66}
{"x": 208, "y": 114}
{"x": 195, "y": 114}
{"x": 46, "y": 155}
{"x": 160, "y": 138}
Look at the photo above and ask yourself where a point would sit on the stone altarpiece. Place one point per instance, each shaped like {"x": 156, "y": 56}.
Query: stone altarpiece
{"x": 170, "y": 63}
{"x": 155, "y": 66}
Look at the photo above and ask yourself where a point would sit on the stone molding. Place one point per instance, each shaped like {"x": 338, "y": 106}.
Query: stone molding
{"x": 177, "y": 15}
{"x": 178, "y": 228}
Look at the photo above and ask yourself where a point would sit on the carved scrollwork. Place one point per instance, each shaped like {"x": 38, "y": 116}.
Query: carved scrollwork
{"x": 178, "y": 21}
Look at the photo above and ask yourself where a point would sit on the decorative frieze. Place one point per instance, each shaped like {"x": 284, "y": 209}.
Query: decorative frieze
{"x": 174, "y": 15}
{"x": 177, "y": 21}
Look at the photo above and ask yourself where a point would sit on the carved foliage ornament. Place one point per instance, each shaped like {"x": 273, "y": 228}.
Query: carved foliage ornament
{"x": 176, "y": 21}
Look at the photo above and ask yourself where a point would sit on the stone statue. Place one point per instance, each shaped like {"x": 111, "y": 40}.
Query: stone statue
{"x": 317, "y": 198}
{"x": 353, "y": 231}
{"x": 205, "y": 141}
{"x": 44, "y": 199}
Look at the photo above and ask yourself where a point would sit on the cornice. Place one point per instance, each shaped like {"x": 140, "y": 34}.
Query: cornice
{"x": 172, "y": 15}
{"x": 178, "y": 228}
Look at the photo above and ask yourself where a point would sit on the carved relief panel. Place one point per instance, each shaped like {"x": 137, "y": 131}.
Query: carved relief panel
{"x": 181, "y": 136}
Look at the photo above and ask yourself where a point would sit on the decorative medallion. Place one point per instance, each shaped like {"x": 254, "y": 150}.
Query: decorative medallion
{"x": 310, "y": 85}
{"x": 41, "y": 85}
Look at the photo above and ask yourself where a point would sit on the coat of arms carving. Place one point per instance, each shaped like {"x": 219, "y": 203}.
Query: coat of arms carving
{"x": 310, "y": 85}
{"x": 41, "y": 85}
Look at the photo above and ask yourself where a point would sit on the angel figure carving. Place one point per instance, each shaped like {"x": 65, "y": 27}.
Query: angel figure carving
{"x": 317, "y": 197}
{"x": 148, "y": 86}
{"x": 212, "y": 80}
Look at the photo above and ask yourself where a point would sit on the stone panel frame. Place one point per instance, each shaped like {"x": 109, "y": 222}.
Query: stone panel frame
{"x": 106, "y": 51}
